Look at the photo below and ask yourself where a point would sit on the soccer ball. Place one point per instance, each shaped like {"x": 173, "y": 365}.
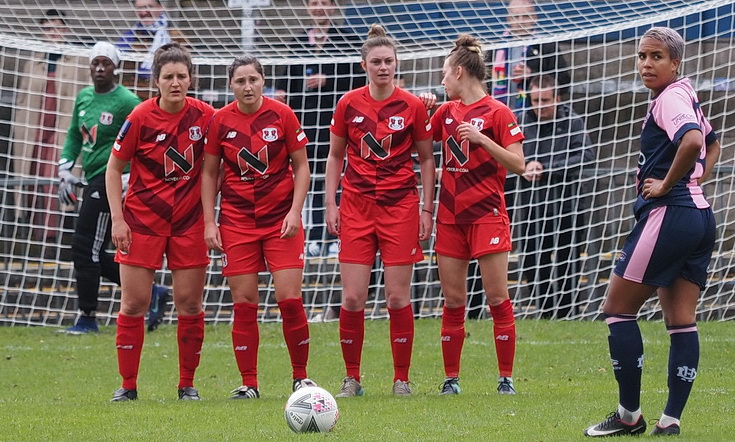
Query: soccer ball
{"x": 311, "y": 410}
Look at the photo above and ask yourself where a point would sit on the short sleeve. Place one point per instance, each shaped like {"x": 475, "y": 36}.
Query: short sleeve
{"x": 338, "y": 126}
{"x": 674, "y": 113}
{"x": 506, "y": 127}
{"x": 212, "y": 144}
{"x": 127, "y": 139}
{"x": 422, "y": 129}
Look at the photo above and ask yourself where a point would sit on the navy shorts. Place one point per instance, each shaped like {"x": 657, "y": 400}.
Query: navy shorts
{"x": 666, "y": 243}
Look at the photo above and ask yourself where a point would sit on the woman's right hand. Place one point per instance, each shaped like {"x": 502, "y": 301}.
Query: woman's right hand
{"x": 212, "y": 237}
{"x": 429, "y": 100}
{"x": 332, "y": 220}
{"x": 121, "y": 236}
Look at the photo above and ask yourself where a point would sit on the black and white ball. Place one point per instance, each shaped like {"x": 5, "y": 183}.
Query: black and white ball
{"x": 311, "y": 410}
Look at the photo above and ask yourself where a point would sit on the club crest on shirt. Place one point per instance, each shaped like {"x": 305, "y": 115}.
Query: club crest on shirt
{"x": 106, "y": 118}
{"x": 270, "y": 134}
{"x": 479, "y": 123}
{"x": 195, "y": 133}
{"x": 395, "y": 123}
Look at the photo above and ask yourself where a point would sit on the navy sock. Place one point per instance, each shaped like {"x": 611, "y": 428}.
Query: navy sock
{"x": 683, "y": 363}
{"x": 626, "y": 352}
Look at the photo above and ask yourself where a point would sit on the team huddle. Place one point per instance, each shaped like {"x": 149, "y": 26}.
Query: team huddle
{"x": 181, "y": 154}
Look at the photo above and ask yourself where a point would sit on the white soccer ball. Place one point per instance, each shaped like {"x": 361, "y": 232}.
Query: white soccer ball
{"x": 311, "y": 410}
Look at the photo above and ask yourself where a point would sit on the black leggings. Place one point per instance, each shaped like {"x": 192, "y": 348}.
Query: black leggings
{"x": 91, "y": 238}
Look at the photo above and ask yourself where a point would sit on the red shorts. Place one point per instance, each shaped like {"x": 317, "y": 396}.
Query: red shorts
{"x": 182, "y": 252}
{"x": 366, "y": 227}
{"x": 472, "y": 240}
{"x": 248, "y": 251}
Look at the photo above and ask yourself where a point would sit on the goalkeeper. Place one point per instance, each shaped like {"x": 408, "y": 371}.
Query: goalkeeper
{"x": 99, "y": 112}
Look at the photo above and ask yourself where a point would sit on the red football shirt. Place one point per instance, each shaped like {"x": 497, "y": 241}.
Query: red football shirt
{"x": 380, "y": 139}
{"x": 165, "y": 152}
{"x": 472, "y": 181}
{"x": 257, "y": 190}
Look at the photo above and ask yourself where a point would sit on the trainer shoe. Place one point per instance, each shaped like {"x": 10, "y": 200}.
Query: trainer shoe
{"x": 301, "y": 383}
{"x": 123, "y": 394}
{"x": 505, "y": 385}
{"x": 350, "y": 388}
{"x": 402, "y": 388}
{"x": 450, "y": 386}
{"x": 157, "y": 308}
{"x": 189, "y": 394}
{"x": 671, "y": 430}
{"x": 614, "y": 426}
{"x": 84, "y": 325}
{"x": 245, "y": 392}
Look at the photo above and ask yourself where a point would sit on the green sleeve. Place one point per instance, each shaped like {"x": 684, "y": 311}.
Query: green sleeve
{"x": 73, "y": 142}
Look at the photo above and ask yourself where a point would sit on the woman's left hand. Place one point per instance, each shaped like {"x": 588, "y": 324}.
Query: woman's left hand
{"x": 291, "y": 224}
{"x": 426, "y": 225}
{"x": 653, "y": 188}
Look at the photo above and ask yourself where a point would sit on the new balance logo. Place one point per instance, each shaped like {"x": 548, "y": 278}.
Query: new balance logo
{"x": 502, "y": 338}
{"x": 495, "y": 241}
{"x": 358, "y": 119}
{"x": 304, "y": 342}
{"x": 125, "y": 347}
{"x": 241, "y": 347}
{"x": 686, "y": 374}
{"x": 345, "y": 341}
{"x": 400, "y": 340}
{"x": 446, "y": 338}
{"x": 160, "y": 137}
{"x": 231, "y": 134}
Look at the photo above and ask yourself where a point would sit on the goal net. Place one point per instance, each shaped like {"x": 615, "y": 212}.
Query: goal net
{"x": 558, "y": 268}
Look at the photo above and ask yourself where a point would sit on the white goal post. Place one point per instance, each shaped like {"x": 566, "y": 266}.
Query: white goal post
{"x": 596, "y": 38}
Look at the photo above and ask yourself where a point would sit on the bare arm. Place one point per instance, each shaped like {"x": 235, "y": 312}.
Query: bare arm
{"x": 210, "y": 180}
{"x": 335, "y": 163}
{"x": 511, "y": 158}
{"x": 301, "y": 178}
{"x": 710, "y": 159}
{"x": 686, "y": 156}
{"x": 121, "y": 236}
{"x": 428, "y": 181}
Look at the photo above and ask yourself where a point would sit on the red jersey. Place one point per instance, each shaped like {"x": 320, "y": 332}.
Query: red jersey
{"x": 380, "y": 139}
{"x": 165, "y": 153}
{"x": 257, "y": 190}
{"x": 472, "y": 182}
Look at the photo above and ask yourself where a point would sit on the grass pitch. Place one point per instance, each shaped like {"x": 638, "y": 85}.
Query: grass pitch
{"x": 57, "y": 387}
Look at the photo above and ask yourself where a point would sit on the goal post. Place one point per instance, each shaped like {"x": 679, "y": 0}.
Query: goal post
{"x": 597, "y": 39}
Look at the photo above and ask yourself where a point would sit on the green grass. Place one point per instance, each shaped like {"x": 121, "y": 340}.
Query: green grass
{"x": 57, "y": 387}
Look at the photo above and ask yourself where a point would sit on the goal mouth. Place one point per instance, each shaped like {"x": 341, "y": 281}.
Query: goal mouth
{"x": 564, "y": 275}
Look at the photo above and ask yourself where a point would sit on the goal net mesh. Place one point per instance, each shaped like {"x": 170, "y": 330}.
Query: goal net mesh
{"x": 596, "y": 38}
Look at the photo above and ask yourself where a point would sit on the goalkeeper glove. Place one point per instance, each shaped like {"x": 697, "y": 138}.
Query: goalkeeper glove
{"x": 68, "y": 183}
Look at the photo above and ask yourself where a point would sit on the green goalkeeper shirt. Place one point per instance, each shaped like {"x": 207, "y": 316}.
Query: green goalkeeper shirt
{"x": 95, "y": 123}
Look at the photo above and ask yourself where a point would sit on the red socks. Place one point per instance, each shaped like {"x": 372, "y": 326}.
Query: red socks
{"x": 351, "y": 337}
{"x": 401, "y": 341}
{"x": 129, "y": 343}
{"x": 190, "y": 335}
{"x": 245, "y": 341}
{"x": 452, "y": 334}
{"x": 504, "y": 330}
{"x": 296, "y": 334}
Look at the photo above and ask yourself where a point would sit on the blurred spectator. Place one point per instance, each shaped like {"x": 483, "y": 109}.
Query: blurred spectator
{"x": 549, "y": 204}
{"x": 513, "y": 68}
{"x": 152, "y": 30}
{"x": 48, "y": 86}
{"x": 312, "y": 89}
